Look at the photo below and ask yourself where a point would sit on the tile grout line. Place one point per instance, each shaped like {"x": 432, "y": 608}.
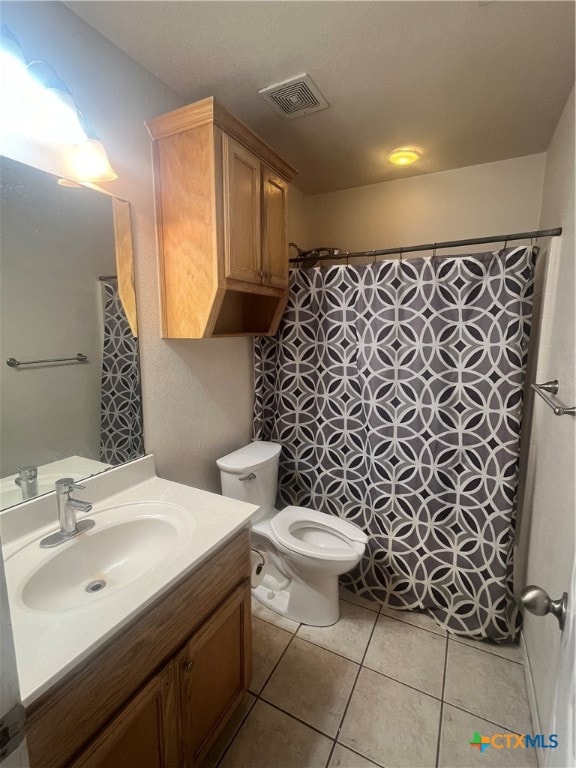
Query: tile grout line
{"x": 274, "y": 668}
{"x": 455, "y": 639}
{"x": 401, "y": 682}
{"x": 359, "y": 754}
{"x": 360, "y": 666}
{"x": 442, "y": 700}
{"x": 352, "y": 602}
{"x": 416, "y": 626}
{"x": 380, "y": 612}
{"x": 506, "y": 728}
{"x": 324, "y": 648}
{"x": 298, "y": 720}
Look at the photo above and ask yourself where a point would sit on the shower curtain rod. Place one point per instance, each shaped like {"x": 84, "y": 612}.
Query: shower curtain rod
{"x": 314, "y": 253}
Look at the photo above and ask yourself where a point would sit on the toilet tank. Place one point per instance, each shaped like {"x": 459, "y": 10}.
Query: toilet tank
{"x": 260, "y": 460}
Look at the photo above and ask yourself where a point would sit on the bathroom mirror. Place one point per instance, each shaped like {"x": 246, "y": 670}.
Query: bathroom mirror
{"x": 70, "y": 402}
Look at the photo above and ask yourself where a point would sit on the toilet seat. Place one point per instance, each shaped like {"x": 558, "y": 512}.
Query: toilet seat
{"x": 301, "y": 530}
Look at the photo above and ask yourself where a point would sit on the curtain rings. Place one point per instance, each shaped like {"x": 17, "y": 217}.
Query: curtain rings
{"x": 374, "y": 257}
{"x": 434, "y": 251}
{"x": 347, "y": 258}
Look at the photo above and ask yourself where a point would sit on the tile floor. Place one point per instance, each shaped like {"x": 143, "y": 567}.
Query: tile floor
{"x": 379, "y": 688}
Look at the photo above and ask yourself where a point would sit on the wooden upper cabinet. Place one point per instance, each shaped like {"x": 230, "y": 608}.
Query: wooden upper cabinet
{"x": 221, "y": 221}
{"x": 242, "y": 223}
{"x": 275, "y": 239}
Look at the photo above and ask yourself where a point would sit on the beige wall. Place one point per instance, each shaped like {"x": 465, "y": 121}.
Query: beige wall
{"x": 299, "y": 219}
{"x": 197, "y": 394}
{"x": 549, "y": 514}
{"x": 489, "y": 199}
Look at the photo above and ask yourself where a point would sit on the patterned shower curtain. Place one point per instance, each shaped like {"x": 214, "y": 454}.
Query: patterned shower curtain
{"x": 121, "y": 404}
{"x": 395, "y": 390}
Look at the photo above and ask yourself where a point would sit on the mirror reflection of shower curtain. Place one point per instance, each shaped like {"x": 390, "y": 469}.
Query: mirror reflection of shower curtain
{"x": 121, "y": 402}
{"x": 395, "y": 390}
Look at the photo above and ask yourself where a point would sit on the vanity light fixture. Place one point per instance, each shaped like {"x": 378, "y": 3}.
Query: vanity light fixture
{"x": 13, "y": 61}
{"x": 35, "y": 102}
{"x": 404, "y": 156}
{"x": 52, "y": 101}
{"x": 89, "y": 160}
{"x": 38, "y": 104}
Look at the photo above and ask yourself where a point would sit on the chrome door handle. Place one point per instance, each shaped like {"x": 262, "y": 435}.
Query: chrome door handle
{"x": 250, "y": 477}
{"x": 538, "y": 601}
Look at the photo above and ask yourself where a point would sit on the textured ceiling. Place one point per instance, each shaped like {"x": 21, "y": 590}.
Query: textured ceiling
{"x": 466, "y": 82}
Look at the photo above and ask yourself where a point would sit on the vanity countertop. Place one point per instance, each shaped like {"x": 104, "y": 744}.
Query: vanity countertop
{"x": 50, "y": 643}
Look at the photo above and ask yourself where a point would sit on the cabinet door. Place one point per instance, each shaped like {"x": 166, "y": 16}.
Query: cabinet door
{"x": 145, "y": 734}
{"x": 274, "y": 240}
{"x": 242, "y": 225}
{"x": 214, "y": 671}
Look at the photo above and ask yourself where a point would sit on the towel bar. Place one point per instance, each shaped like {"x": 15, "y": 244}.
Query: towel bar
{"x": 79, "y": 358}
{"x": 552, "y": 387}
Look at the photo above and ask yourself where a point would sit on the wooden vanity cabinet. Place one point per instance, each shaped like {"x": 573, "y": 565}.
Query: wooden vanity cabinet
{"x": 158, "y": 694}
{"x": 214, "y": 670}
{"x": 145, "y": 734}
{"x": 221, "y": 202}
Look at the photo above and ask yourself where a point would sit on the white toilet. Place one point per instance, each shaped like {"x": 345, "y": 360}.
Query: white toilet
{"x": 303, "y": 551}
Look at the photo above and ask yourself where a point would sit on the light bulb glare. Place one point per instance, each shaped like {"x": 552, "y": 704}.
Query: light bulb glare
{"x": 90, "y": 162}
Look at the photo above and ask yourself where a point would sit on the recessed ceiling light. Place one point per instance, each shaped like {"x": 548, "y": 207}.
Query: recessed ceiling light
{"x": 404, "y": 156}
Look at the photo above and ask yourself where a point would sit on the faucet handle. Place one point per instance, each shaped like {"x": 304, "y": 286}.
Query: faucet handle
{"x": 66, "y": 485}
{"x": 27, "y": 472}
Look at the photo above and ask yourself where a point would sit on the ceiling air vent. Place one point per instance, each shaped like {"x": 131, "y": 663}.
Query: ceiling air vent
{"x": 295, "y": 97}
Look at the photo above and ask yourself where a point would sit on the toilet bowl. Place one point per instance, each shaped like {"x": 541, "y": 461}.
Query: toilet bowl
{"x": 304, "y": 551}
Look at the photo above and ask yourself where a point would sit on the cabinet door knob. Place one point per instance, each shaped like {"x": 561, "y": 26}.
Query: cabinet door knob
{"x": 188, "y": 664}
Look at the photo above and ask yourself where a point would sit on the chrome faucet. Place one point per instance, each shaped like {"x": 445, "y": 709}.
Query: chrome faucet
{"x": 27, "y": 481}
{"x": 67, "y": 509}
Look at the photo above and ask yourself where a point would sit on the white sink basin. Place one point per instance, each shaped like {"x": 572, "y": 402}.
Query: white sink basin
{"x": 126, "y": 543}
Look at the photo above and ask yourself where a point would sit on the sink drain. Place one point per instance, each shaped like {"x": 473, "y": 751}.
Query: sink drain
{"x": 96, "y": 586}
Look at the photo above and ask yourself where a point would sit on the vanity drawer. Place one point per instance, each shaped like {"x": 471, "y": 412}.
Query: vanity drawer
{"x": 68, "y": 716}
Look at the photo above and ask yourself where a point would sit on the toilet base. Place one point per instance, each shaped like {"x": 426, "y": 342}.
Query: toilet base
{"x": 314, "y": 602}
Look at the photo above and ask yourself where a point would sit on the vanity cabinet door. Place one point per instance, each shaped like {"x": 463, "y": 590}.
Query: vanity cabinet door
{"x": 274, "y": 238}
{"x": 214, "y": 670}
{"x": 145, "y": 734}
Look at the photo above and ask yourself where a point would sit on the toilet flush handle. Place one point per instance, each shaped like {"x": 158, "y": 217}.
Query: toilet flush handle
{"x": 250, "y": 477}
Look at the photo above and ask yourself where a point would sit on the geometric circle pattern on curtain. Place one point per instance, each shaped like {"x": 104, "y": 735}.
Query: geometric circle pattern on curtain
{"x": 121, "y": 432}
{"x": 395, "y": 390}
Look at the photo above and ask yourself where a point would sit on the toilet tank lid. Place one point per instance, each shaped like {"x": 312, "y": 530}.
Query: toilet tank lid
{"x": 249, "y": 457}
